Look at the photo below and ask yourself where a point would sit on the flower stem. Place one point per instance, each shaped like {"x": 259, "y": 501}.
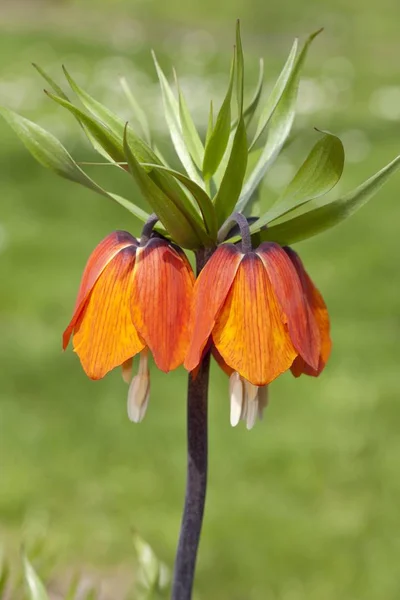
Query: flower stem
{"x": 196, "y": 483}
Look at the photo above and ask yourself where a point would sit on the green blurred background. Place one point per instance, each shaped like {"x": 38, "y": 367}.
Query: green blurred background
{"x": 306, "y": 505}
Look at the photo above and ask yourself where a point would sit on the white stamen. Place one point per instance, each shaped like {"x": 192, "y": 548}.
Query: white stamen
{"x": 236, "y": 396}
{"x": 139, "y": 391}
{"x": 251, "y": 399}
{"x": 263, "y": 399}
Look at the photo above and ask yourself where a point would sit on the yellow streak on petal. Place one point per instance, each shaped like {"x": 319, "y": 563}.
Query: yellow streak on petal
{"x": 249, "y": 333}
{"x": 104, "y": 335}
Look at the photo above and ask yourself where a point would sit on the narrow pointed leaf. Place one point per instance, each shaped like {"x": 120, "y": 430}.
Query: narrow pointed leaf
{"x": 36, "y": 589}
{"x": 280, "y": 125}
{"x": 210, "y": 125}
{"x": 324, "y": 217}
{"x": 218, "y": 139}
{"x": 113, "y": 123}
{"x": 50, "y": 153}
{"x": 203, "y": 200}
{"x": 232, "y": 180}
{"x": 276, "y": 93}
{"x": 138, "y": 112}
{"x": 171, "y": 110}
{"x": 175, "y": 218}
{"x": 251, "y": 108}
{"x": 43, "y": 146}
{"x": 113, "y": 145}
{"x": 319, "y": 173}
{"x": 101, "y": 133}
{"x": 239, "y": 69}
{"x": 62, "y": 95}
{"x": 190, "y": 133}
{"x": 98, "y": 110}
{"x": 58, "y": 90}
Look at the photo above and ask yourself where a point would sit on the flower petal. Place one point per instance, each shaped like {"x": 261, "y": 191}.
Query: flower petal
{"x": 320, "y": 312}
{"x": 301, "y": 323}
{"x": 249, "y": 332}
{"x": 210, "y": 291}
{"x": 98, "y": 260}
{"x": 104, "y": 336}
{"x": 161, "y": 301}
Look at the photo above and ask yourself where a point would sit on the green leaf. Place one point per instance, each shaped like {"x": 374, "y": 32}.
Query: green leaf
{"x": 175, "y": 217}
{"x": 239, "y": 69}
{"x": 190, "y": 133}
{"x": 110, "y": 142}
{"x": 218, "y": 139}
{"x": 50, "y": 153}
{"x": 43, "y": 146}
{"x": 324, "y": 217}
{"x": 36, "y": 588}
{"x": 61, "y": 93}
{"x": 50, "y": 81}
{"x": 110, "y": 136}
{"x": 319, "y": 173}
{"x": 210, "y": 125}
{"x": 281, "y": 120}
{"x": 203, "y": 200}
{"x": 98, "y": 110}
{"x": 114, "y": 125}
{"x": 251, "y": 108}
{"x": 138, "y": 112}
{"x": 232, "y": 180}
{"x": 276, "y": 93}
{"x": 171, "y": 110}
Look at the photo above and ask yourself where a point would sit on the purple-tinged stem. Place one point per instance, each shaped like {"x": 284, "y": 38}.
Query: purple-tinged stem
{"x": 196, "y": 483}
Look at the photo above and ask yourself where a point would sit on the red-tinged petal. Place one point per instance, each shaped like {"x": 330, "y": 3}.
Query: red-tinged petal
{"x": 302, "y": 326}
{"x": 98, "y": 260}
{"x": 104, "y": 336}
{"x": 161, "y": 301}
{"x": 320, "y": 312}
{"x": 210, "y": 291}
{"x": 249, "y": 332}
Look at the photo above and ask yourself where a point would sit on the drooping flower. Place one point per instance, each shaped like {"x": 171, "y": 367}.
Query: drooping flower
{"x": 133, "y": 298}
{"x": 254, "y": 308}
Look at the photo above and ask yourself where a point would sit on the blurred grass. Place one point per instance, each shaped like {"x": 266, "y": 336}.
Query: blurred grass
{"x": 304, "y": 507}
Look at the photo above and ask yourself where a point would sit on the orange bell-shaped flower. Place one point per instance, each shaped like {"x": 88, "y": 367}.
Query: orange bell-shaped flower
{"x": 253, "y": 307}
{"x": 132, "y": 298}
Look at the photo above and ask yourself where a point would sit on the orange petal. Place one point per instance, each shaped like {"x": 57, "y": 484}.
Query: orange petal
{"x": 161, "y": 301}
{"x": 210, "y": 291}
{"x": 98, "y": 260}
{"x": 104, "y": 336}
{"x": 319, "y": 310}
{"x": 285, "y": 281}
{"x": 249, "y": 332}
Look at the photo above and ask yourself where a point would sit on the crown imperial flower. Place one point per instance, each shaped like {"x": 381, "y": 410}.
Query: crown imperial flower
{"x": 133, "y": 297}
{"x": 262, "y": 316}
